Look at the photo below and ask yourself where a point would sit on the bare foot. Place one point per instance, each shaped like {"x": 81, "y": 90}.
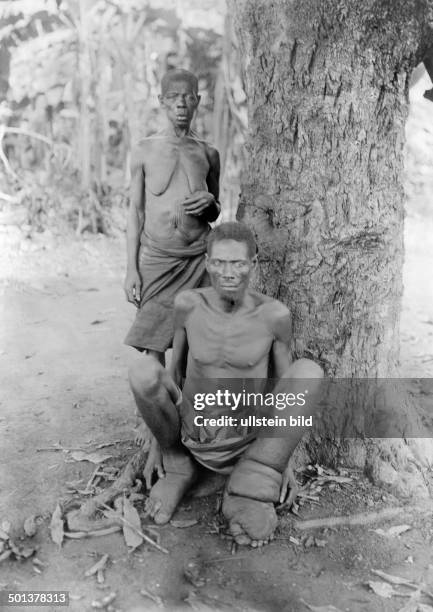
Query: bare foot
{"x": 250, "y": 521}
{"x": 165, "y": 495}
{"x": 142, "y": 435}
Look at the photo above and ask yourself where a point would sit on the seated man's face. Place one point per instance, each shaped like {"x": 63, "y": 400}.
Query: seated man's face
{"x": 180, "y": 102}
{"x": 230, "y": 267}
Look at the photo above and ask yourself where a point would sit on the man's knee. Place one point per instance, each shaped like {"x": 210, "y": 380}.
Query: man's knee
{"x": 145, "y": 375}
{"x": 305, "y": 368}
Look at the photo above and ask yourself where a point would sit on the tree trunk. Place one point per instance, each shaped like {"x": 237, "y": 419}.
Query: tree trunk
{"x": 327, "y": 86}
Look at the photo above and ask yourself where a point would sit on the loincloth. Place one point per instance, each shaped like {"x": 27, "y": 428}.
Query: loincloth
{"x": 216, "y": 447}
{"x": 165, "y": 270}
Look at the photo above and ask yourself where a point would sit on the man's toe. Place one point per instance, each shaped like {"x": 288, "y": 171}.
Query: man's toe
{"x": 161, "y": 518}
{"x": 242, "y": 539}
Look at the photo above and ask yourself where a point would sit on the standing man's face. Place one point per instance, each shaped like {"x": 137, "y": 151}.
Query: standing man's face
{"x": 180, "y": 102}
{"x": 230, "y": 266}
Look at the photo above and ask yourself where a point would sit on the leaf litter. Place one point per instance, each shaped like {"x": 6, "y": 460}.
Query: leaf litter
{"x": 131, "y": 526}
{"x": 56, "y": 526}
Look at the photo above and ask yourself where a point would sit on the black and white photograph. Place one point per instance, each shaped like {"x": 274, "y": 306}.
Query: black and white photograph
{"x": 216, "y": 280}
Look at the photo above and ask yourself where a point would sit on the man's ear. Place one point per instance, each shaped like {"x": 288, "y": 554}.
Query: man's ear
{"x": 161, "y": 99}
{"x": 206, "y": 261}
{"x": 198, "y": 100}
{"x": 254, "y": 261}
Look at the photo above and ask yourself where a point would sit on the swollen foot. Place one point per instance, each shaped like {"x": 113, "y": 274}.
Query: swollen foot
{"x": 248, "y": 504}
{"x": 166, "y": 494}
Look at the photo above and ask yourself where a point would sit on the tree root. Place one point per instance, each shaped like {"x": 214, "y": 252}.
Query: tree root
{"x": 354, "y": 519}
{"x": 132, "y": 470}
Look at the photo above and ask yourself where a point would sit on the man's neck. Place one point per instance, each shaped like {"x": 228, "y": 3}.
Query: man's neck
{"x": 177, "y": 131}
{"x": 230, "y": 306}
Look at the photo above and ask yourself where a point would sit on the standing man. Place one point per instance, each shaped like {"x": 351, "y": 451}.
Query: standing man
{"x": 227, "y": 337}
{"x": 174, "y": 196}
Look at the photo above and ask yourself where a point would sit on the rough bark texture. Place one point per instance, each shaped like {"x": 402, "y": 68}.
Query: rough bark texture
{"x": 327, "y": 84}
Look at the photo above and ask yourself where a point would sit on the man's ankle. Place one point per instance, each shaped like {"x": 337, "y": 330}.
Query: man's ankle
{"x": 255, "y": 480}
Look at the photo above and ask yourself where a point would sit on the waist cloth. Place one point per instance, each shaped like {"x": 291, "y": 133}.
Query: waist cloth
{"x": 166, "y": 268}
{"x": 217, "y": 447}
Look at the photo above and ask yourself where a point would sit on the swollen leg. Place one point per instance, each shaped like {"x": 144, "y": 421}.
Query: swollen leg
{"x": 256, "y": 481}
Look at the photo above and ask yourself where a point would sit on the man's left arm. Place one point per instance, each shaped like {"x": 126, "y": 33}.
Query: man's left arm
{"x": 205, "y": 203}
{"x": 281, "y": 348}
{"x": 213, "y": 184}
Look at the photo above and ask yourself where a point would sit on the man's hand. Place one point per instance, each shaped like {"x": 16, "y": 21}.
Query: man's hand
{"x": 153, "y": 463}
{"x": 132, "y": 287}
{"x": 198, "y": 202}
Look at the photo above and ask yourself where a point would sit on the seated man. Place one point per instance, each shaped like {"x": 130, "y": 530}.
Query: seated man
{"x": 224, "y": 333}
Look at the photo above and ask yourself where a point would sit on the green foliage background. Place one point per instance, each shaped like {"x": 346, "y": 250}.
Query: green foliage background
{"x": 79, "y": 81}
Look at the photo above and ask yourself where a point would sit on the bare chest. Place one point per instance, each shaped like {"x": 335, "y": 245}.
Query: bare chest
{"x": 173, "y": 166}
{"x": 236, "y": 343}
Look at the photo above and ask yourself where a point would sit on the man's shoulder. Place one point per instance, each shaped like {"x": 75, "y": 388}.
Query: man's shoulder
{"x": 272, "y": 307}
{"x": 275, "y": 315}
{"x": 146, "y": 145}
{"x": 210, "y": 150}
{"x": 186, "y": 300}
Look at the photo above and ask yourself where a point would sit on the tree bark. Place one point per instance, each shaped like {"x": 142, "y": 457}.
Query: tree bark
{"x": 327, "y": 84}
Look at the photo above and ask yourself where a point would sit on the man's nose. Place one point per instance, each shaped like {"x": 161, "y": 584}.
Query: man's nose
{"x": 228, "y": 269}
{"x": 181, "y": 100}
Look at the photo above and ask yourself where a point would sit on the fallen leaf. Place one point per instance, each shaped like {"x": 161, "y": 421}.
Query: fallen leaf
{"x": 182, "y": 524}
{"x": 99, "y": 565}
{"x": 56, "y": 526}
{"x": 320, "y": 543}
{"x": 155, "y": 598}
{"x": 30, "y": 526}
{"x": 130, "y": 514}
{"x": 382, "y": 588}
{"x": 4, "y": 535}
{"x": 92, "y": 457}
{"x": 396, "y": 530}
{"x": 6, "y": 526}
{"x": 328, "y": 608}
{"x": 392, "y": 532}
{"x": 100, "y": 604}
{"x": 5, "y": 555}
{"x": 309, "y": 541}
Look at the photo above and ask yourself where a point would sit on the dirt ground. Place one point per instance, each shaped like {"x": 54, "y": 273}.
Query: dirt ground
{"x": 64, "y": 382}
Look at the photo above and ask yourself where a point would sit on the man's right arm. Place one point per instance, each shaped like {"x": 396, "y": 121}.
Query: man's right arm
{"x": 134, "y": 227}
{"x": 183, "y": 305}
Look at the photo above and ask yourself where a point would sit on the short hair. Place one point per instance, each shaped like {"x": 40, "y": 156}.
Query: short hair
{"x": 178, "y": 74}
{"x": 232, "y": 230}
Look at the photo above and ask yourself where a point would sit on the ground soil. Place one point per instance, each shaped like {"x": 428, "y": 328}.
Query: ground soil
{"x": 64, "y": 371}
